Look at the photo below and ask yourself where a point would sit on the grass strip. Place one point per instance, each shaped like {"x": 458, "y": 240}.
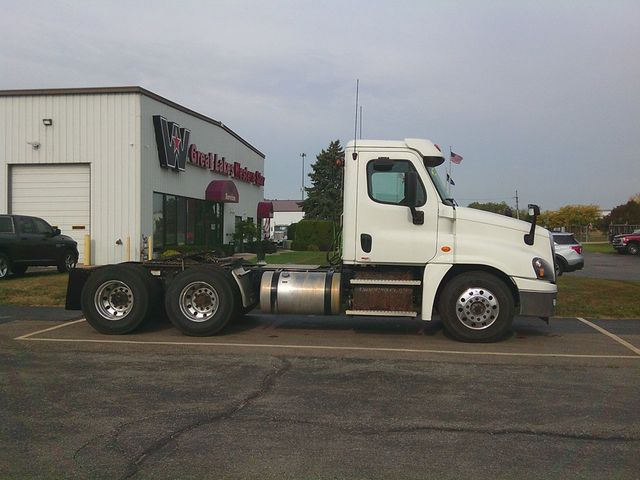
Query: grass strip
{"x": 597, "y": 298}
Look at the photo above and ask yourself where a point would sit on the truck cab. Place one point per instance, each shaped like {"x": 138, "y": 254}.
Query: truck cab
{"x": 449, "y": 245}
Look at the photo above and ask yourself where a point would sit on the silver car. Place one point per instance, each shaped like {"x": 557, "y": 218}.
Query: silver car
{"x": 568, "y": 253}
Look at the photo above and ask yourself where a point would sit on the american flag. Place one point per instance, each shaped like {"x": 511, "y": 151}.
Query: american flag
{"x": 455, "y": 158}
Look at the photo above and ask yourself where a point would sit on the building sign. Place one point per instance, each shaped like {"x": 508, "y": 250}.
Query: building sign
{"x": 174, "y": 151}
{"x": 211, "y": 161}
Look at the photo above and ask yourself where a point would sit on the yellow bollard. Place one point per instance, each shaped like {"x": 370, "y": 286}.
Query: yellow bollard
{"x": 128, "y": 249}
{"x": 87, "y": 250}
{"x": 150, "y": 252}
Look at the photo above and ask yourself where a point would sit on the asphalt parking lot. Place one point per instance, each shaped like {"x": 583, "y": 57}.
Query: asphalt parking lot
{"x": 313, "y": 397}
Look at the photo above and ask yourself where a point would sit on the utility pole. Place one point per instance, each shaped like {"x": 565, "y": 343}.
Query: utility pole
{"x": 517, "y": 207}
{"x": 303, "y": 155}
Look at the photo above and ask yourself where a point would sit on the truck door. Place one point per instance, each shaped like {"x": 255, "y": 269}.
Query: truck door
{"x": 35, "y": 240}
{"x": 387, "y": 231}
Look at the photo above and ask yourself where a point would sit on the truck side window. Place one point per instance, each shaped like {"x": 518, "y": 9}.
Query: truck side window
{"x": 42, "y": 226}
{"x": 387, "y": 186}
{"x": 26, "y": 225}
{"x": 6, "y": 225}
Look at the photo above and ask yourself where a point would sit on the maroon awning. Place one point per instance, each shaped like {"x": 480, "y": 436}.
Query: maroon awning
{"x": 265, "y": 210}
{"x": 222, "y": 191}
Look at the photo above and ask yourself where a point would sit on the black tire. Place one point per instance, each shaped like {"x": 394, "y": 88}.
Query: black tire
{"x": 19, "y": 269}
{"x": 633, "y": 249}
{"x": 115, "y": 299}
{"x": 5, "y": 266}
{"x": 560, "y": 266}
{"x": 468, "y": 305}
{"x": 67, "y": 261}
{"x": 213, "y": 289}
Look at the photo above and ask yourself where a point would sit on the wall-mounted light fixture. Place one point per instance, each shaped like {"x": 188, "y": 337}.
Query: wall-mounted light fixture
{"x": 47, "y": 122}
{"x": 35, "y": 145}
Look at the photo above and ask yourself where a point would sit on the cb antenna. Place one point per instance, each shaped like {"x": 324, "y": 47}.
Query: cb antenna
{"x": 354, "y": 155}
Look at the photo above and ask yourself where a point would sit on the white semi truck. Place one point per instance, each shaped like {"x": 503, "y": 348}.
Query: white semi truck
{"x": 407, "y": 251}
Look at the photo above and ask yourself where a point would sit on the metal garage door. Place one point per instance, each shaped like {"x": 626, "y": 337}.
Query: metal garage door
{"x": 60, "y": 194}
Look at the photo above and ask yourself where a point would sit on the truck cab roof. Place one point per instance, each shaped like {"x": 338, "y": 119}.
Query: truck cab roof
{"x": 426, "y": 148}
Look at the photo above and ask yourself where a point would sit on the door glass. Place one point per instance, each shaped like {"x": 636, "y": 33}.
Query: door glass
{"x": 26, "y": 225}
{"x": 387, "y": 185}
{"x": 42, "y": 226}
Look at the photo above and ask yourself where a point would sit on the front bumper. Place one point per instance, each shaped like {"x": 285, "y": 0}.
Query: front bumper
{"x": 537, "y": 304}
{"x": 575, "y": 265}
{"x": 537, "y": 297}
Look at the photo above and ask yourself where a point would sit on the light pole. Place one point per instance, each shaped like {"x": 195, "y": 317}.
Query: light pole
{"x": 303, "y": 155}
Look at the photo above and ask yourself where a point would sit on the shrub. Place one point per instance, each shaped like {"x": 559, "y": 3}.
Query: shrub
{"x": 313, "y": 233}
{"x": 291, "y": 231}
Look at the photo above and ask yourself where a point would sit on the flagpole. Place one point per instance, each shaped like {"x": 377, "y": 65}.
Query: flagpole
{"x": 449, "y": 179}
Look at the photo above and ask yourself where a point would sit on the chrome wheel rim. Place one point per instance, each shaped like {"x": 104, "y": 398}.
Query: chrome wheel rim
{"x": 477, "y": 308}
{"x": 114, "y": 300}
{"x": 4, "y": 268}
{"x": 199, "y": 301}
{"x": 70, "y": 261}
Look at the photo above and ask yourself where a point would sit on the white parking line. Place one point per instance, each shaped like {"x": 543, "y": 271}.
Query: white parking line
{"x": 610, "y": 335}
{"x": 26, "y": 337}
{"x": 31, "y": 337}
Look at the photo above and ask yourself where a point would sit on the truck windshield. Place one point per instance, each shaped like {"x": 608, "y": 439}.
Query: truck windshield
{"x": 439, "y": 184}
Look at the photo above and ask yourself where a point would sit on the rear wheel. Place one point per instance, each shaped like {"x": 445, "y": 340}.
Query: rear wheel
{"x": 476, "y": 307}
{"x": 115, "y": 299}
{"x": 201, "y": 301}
{"x": 560, "y": 266}
{"x": 4, "y": 266}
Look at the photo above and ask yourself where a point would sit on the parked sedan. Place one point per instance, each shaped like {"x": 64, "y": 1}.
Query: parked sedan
{"x": 568, "y": 253}
{"x": 30, "y": 241}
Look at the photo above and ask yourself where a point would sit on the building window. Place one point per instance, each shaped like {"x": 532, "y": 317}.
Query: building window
{"x": 181, "y": 221}
{"x": 158, "y": 221}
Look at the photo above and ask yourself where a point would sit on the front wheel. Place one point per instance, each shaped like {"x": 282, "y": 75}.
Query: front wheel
{"x": 633, "y": 249}
{"x": 67, "y": 261}
{"x": 200, "y": 301}
{"x": 476, "y": 307}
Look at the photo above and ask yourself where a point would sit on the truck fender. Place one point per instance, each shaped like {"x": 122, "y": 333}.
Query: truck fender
{"x": 432, "y": 277}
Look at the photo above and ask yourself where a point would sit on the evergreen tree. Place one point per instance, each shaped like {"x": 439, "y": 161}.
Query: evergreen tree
{"x": 324, "y": 197}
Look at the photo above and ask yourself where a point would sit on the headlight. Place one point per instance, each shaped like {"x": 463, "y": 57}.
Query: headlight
{"x": 543, "y": 270}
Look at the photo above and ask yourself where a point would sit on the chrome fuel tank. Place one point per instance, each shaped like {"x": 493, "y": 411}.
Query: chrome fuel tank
{"x": 315, "y": 293}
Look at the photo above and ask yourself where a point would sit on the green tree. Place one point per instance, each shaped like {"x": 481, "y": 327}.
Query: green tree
{"x": 628, "y": 213}
{"x": 570, "y": 216}
{"x": 324, "y": 197}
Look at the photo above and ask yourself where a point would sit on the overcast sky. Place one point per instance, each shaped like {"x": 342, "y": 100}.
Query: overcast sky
{"x": 538, "y": 96}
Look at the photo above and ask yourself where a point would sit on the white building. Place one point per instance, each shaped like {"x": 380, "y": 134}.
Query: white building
{"x": 122, "y": 165}
{"x": 285, "y": 212}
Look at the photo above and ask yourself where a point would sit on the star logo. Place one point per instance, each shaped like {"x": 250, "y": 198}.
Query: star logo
{"x": 175, "y": 139}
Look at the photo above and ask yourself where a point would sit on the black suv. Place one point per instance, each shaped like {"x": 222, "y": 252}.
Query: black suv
{"x": 30, "y": 241}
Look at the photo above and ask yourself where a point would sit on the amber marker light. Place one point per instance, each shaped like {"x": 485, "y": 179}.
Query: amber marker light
{"x": 445, "y": 249}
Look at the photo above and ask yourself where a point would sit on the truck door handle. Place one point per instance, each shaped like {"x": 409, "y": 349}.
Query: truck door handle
{"x": 365, "y": 242}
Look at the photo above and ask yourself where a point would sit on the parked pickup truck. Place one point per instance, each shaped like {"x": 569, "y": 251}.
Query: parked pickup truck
{"x": 627, "y": 243}
{"x": 30, "y": 241}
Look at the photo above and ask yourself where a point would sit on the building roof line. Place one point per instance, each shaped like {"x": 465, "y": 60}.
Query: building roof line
{"x": 124, "y": 90}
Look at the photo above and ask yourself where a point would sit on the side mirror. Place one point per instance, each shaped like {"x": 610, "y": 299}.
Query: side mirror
{"x": 410, "y": 196}
{"x": 56, "y": 232}
{"x": 534, "y": 211}
{"x": 410, "y": 188}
